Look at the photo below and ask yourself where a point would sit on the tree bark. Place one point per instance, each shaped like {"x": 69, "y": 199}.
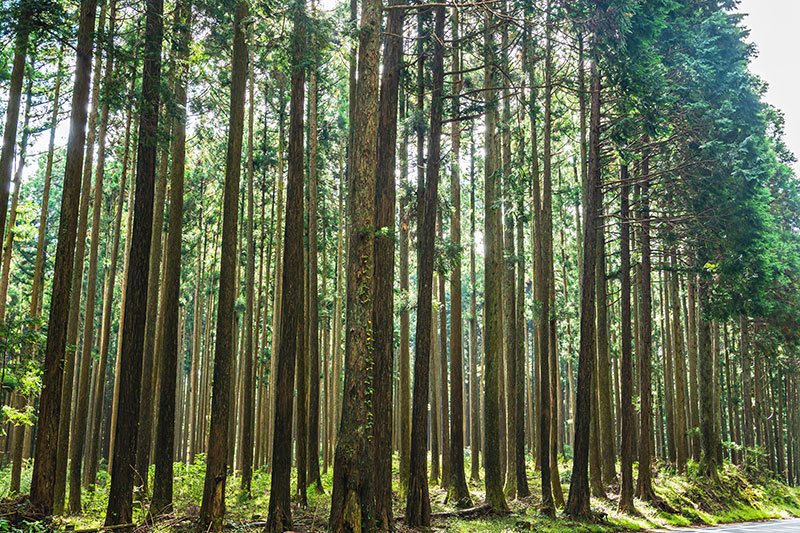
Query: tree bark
{"x": 383, "y": 308}
{"x": 213, "y": 506}
{"x": 644, "y": 488}
{"x": 280, "y": 513}
{"x": 493, "y": 278}
{"x": 579, "y": 502}
{"x": 78, "y": 434}
{"x": 44, "y": 466}
{"x": 708, "y": 461}
{"x": 458, "y": 492}
{"x": 312, "y": 464}
{"x": 171, "y": 350}
{"x": 23, "y": 31}
{"x": 418, "y": 508}
{"x": 626, "y": 352}
{"x": 120, "y": 502}
{"x": 474, "y": 385}
{"x": 353, "y": 499}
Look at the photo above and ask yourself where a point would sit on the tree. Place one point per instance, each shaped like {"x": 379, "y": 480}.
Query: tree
{"x": 353, "y": 499}
{"x": 626, "y": 351}
{"x": 579, "y": 502}
{"x": 120, "y": 500}
{"x": 492, "y": 281}
{"x": 280, "y": 512}
{"x": 458, "y": 492}
{"x": 171, "y": 354}
{"x": 44, "y": 466}
{"x": 383, "y": 308}
{"x": 213, "y": 507}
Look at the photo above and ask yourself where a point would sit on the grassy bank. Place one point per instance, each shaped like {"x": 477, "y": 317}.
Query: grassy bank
{"x": 688, "y": 499}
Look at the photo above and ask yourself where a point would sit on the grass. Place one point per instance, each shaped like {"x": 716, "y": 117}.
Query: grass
{"x": 694, "y": 500}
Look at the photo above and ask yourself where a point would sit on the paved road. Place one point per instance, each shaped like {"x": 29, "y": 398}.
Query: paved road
{"x": 777, "y": 526}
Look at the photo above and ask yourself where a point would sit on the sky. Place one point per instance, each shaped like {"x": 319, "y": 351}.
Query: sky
{"x": 774, "y": 30}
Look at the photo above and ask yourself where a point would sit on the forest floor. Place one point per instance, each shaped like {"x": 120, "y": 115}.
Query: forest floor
{"x": 690, "y": 499}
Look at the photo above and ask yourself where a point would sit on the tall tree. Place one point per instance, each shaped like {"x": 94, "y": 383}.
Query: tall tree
{"x": 44, "y": 466}
{"x": 23, "y": 31}
{"x": 458, "y": 492}
{"x": 353, "y": 499}
{"x": 280, "y": 512}
{"x": 171, "y": 351}
{"x": 383, "y": 308}
{"x": 579, "y": 503}
{"x": 626, "y": 351}
{"x": 493, "y": 333}
{"x": 418, "y": 507}
{"x": 213, "y": 506}
{"x": 120, "y": 500}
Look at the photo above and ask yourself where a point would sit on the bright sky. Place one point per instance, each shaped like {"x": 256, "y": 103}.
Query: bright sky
{"x": 773, "y": 25}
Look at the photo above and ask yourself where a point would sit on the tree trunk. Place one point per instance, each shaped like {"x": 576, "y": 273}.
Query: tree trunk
{"x": 23, "y": 31}
{"x": 605, "y": 402}
{"x": 418, "y": 507}
{"x": 120, "y": 502}
{"x": 213, "y": 506}
{"x": 458, "y": 492}
{"x": 680, "y": 371}
{"x": 405, "y": 357}
{"x": 444, "y": 408}
{"x": 626, "y": 352}
{"x": 579, "y": 503}
{"x": 98, "y": 398}
{"x": 383, "y": 307}
{"x": 644, "y": 487}
{"x": 474, "y": 384}
{"x": 78, "y": 434}
{"x": 66, "y": 420}
{"x": 171, "y": 351}
{"x": 312, "y": 464}
{"x": 353, "y": 499}
{"x": 691, "y": 339}
{"x": 708, "y": 461}
{"x": 44, "y": 466}
{"x": 493, "y": 278}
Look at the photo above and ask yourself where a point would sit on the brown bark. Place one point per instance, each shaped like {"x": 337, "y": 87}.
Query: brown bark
{"x": 120, "y": 502}
{"x": 708, "y": 462}
{"x": 579, "y": 503}
{"x": 680, "y": 371}
{"x": 444, "y": 408}
{"x": 280, "y": 513}
{"x": 78, "y": 433}
{"x": 98, "y": 397}
{"x": 44, "y": 467}
{"x": 626, "y": 353}
{"x": 312, "y": 465}
{"x": 605, "y": 401}
{"x": 383, "y": 308}
{"x": 644, "y": 489}
{"x": 474, "y": 385}
{"x": 171, "y": 350}
{"x": 353, "y": 499}
{"x": 250, "y": 323}
{"x": 23, "y": 31}
{"x": 418, "y": 509}
{"x": 493, "y": 333}
{"x": 405, "y": 358}
{"x": 458, "y": 492}
{"x": 213, "y": 506}
{"x": 66, "y": 418}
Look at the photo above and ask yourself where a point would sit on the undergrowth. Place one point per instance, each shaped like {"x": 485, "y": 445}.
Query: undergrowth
{"x": 689, "y": 498}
